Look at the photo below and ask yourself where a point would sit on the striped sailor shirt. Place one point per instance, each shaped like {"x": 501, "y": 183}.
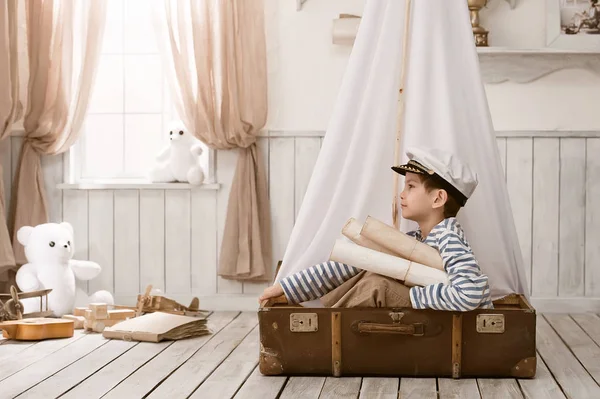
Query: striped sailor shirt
{"x": 468, "y": 289}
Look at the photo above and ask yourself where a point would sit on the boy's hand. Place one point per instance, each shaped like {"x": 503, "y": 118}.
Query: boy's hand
{"x": 272, "y": 292}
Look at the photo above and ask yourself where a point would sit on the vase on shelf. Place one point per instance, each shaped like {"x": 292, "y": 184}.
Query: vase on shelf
{"x": 480, "y": 35}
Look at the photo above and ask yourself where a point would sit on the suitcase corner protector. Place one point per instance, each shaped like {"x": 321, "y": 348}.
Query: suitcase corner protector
{"x": 526, "y": 368}
{"x": 269, "y": 362}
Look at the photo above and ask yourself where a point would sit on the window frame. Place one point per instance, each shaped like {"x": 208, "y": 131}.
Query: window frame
{"x": 74, "y": 158}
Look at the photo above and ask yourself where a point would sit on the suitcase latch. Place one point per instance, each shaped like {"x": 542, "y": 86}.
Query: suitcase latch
{"x": 490, "y": 323}
{"x": 304, "y": 322}
{"x": 396, "y": 316}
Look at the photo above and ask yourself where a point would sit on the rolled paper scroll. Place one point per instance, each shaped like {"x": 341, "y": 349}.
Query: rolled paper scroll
{"x": 352, "y": 231}
{"x": 411, "y": 273}
{"x": 401, "y": 244}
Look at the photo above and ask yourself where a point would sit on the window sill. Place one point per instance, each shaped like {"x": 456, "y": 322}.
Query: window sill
{"x": 139, "y": 185}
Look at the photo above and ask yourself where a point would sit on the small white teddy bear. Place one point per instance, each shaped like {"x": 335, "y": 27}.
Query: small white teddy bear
{"x": 49, "y": 251}
{"x": 180, "y": 161}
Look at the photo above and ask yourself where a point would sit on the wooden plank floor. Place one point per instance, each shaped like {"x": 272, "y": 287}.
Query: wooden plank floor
{"x": 224, "y": 365}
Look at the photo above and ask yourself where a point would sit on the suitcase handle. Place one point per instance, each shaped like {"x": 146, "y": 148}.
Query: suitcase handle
{"x": 416, "y": 329}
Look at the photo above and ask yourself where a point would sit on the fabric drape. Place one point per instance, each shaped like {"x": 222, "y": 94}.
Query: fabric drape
{"x": 445, "y": 107}
{"x": 63, "y": 43}
{"x": 217, "y": 53}
{"x": 10, "y": 111}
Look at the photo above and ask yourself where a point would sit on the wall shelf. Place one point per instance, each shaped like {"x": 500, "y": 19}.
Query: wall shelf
{"x": 500, "y": 64}
{"x": 300, "y": 3}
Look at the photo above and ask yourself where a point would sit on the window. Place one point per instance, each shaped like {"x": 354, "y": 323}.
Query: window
{"x": 127, "y": 121}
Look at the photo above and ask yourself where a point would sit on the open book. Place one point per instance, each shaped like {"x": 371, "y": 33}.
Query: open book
{"x": 158, "y": 326}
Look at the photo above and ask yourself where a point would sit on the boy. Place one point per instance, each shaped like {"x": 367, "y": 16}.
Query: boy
{"x": 436, "y": 186}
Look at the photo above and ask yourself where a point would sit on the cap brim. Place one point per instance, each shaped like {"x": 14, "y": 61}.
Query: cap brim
{"x": 402, "y": 169}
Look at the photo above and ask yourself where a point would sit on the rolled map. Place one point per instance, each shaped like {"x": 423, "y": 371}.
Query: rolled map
{"x": 411, "y": 273}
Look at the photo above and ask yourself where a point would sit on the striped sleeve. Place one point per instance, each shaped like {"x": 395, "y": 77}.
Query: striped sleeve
{"x": 468, "y": 288}
{"x": 316, "y": 281}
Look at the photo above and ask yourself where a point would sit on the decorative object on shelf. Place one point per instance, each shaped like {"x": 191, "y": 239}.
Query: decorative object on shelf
{"x": 180, "y": 160}
{"x": 573, "y": 25}
{"x": 479, "y": 33}
{"x": 49, "y": 251}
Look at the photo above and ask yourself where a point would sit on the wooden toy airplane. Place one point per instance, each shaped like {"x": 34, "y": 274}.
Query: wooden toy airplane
{"x": 147, "y": 303}
{"x": 11, "y": 307}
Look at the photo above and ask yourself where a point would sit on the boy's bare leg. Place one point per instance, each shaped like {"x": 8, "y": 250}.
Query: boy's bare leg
{"x": 368, "y": 289}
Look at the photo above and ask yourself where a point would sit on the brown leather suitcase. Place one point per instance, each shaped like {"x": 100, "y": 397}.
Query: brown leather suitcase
{"x": 500, "y": 342}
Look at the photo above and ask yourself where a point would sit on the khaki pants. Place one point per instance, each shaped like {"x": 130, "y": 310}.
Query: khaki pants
{"x": 368, "y": 289}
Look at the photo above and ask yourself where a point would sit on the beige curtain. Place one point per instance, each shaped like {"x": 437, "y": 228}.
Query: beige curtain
{"x": 217, "y": 51}
{"x": 10, "y": 111}
{"x": 63, "y": 41}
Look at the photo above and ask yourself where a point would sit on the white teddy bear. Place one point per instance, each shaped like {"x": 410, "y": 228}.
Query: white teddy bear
{"x": 49, "y": 251}
{"x": 180, "y": 161}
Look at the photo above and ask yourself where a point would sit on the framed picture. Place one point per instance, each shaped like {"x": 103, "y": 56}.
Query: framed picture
{"x": 573, "y": 25}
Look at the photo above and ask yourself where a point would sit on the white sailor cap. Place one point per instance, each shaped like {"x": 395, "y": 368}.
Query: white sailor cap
{"x": 461, "y": 179}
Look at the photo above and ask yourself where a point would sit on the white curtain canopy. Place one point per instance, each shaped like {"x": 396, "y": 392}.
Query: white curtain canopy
{"x": 445, "y": 107}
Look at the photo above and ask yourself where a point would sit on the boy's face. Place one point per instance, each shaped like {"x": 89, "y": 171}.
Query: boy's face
{"x": 416, "y": 203}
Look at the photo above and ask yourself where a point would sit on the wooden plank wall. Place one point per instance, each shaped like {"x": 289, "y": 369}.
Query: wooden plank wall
{"x": 171, "y": 238}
